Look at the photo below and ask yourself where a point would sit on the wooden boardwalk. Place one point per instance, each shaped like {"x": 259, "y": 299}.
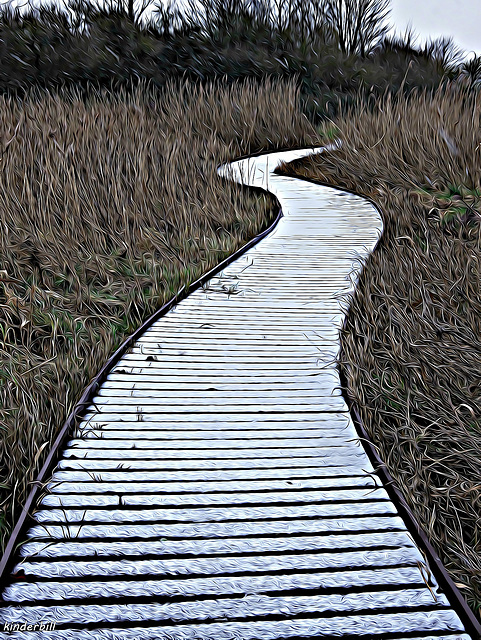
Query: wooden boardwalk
{"x": 216, "y": 488}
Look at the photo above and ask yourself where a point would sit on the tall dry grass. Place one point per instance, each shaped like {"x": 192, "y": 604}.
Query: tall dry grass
{"x": 411, "y": 351}
{"x": 108, "y": 207}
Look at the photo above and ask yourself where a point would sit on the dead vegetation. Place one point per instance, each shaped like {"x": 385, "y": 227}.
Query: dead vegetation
{"x": 107, "y": 207}
{"x": 411, "y": 348}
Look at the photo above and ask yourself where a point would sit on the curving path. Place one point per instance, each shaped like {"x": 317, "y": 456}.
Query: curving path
{"x": 216, "y": 489}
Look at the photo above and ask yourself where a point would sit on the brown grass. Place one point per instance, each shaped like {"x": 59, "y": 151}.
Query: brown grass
{"x": 411, "y": 350}
{"x": 106, "y": 209}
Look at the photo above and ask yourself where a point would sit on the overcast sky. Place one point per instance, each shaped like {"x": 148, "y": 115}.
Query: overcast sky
{"x": 460, "y": 19}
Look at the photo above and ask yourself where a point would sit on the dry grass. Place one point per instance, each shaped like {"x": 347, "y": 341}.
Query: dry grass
{"x": 107, "y": 207}
{"x": 411, "y": 350}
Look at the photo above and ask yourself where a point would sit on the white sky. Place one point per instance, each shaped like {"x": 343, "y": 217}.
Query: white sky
{"x": 460, "y": 19}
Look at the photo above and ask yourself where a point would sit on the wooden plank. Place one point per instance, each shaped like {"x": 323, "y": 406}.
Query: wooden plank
{"x": 214, "y": 546}
{"x": 338, "y": 477}
{"x": 190, "y": 457}
{"x": 245, "y": 498}
{"x": 128, "y": 383}
{"x": 217, "y": 529}
{"x": 119, "y": 434}
{"x": 85, "y": 591}
{"x": 224, "y": 565}
{"x": 331, "y": 460}
{"x": 246, "y": 607}
{"x": 336, "y": 421}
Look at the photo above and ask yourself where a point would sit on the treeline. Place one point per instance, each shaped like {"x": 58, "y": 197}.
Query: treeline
{"x": 337, "y": 48}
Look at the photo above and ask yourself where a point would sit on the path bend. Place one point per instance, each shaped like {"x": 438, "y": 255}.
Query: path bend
{"x": 216, "y": 488}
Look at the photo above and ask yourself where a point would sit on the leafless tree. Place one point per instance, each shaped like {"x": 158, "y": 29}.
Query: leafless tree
{"x": 357, "y": 24}
{"x": 82, "y": 11}
{"x": 306, "y": 18}
{"x": 133, "y": 9}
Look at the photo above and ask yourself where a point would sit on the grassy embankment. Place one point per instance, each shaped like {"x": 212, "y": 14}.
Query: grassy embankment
{"x": 108, "y": 207}
{"x": 411, "y": 350}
